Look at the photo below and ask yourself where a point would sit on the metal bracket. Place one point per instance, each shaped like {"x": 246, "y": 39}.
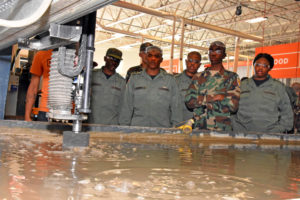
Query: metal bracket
{"x": 60, "y": 35}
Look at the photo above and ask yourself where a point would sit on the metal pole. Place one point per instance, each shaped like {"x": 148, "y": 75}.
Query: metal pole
{"x": 227, "y": 62}
{"x": 236, "y": 54}
{"x": 248, "y": 68}
{"x": 172, "y": 47}
{"x": 181, "y": 45}
{"x": 89, "y": 29}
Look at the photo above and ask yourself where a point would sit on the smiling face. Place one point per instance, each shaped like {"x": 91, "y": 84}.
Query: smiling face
{"x": 193, "y": 63}
{"x": 153, "y": 59}
{"x": 262, "y": 68}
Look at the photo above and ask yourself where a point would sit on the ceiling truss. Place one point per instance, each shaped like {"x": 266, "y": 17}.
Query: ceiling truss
{"x": 127, "y": 23}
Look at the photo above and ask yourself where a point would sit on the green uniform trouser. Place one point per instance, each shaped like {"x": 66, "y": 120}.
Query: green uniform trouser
{"x": 183, "y": 82}
{"x": 151, "y": 102}
{"x": 106, "y": 98}
{"x": 265, "y": 108}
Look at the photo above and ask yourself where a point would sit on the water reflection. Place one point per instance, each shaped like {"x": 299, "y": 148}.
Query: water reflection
{"x": 33, "y": 168}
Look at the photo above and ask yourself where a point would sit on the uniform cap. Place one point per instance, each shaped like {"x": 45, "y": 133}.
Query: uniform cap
{"x": 218, "y": 43}
{"x": 113, "y": 52}
{"x": 144, "y": 46}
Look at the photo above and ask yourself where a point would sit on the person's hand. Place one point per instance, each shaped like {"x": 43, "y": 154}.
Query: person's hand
{"x": 218, "y": 97}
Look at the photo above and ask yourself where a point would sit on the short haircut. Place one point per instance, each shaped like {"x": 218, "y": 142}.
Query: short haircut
{"x": 194, "y": 52}
{"x": 144, "y": 46}
{"x": 296, "y": 85}
{"x": 219, "y": 44}
{"x": 154, "y": 48}
{"x": 266, "y": 56}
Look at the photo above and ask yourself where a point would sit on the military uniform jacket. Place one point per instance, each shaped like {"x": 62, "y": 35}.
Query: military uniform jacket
{"x": 106, "y": 98}
{"x": 131, "y": 70}
{"x": 265, "y": 108}
{"x": 151, "y": 102}
{"x": 183, "y": 82}
{"x": 210, "y": 114}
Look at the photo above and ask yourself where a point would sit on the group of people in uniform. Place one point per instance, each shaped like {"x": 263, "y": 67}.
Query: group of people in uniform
{"x": 215, "y": 98}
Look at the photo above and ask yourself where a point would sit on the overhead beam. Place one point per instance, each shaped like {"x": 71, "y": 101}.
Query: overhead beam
{"x": 138, "y": 35}
{"x": 166, "y": 15}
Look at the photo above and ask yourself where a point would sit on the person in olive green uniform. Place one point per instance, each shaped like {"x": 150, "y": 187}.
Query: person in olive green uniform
{"x": 107, "y": 90}
{"x": 296, "y": 107}
{"x": 143, "y": 64}
{"x": 264, "y": 105}
{"x": 214, "y": 93}
{"x": 151, "y": 97}
{"x": 184, "y": 80}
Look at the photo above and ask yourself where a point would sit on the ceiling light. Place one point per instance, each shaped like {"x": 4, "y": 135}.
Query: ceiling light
{"x": 256, "y": 20}
{"x": 247, "y": 40}
{"x": 238, "y": 10}
{"x": 126, "y": 47}
{"x": 118, "y": 35}
{"x": 168, "y": 21}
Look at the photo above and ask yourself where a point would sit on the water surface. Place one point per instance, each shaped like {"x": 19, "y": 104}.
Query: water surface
{"x": 33, "y": 165}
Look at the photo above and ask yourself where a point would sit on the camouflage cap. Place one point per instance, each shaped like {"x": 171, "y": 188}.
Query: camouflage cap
{"x": 219, "y": 44}
{"x": 144, "y": 46}
{"x": 113, "y": 52}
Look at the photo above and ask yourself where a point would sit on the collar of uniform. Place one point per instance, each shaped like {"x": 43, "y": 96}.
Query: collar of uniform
{"x": 102, "y": 73}
{"x": 265, "y": 84}
{"x": 185, "y": 75}
{"x": 145, "y": 74}
{"x": 221, "y": 71}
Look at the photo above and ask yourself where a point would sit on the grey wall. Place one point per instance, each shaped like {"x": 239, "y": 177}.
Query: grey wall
{"x": 5, "y": 60}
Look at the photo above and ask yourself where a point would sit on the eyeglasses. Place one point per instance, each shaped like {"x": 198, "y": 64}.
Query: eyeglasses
{"x": 113, "y": 59}
{"x": 193, "y": 61}
{"x": 217, "y": 51}
{"x": 261, "y": 65}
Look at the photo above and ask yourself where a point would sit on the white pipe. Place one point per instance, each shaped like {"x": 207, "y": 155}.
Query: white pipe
{"x": 181, "y": 45}
{"x": 236, "y": 54}
{"x": 172, "y": 46}
{"x": 27, "y": 21}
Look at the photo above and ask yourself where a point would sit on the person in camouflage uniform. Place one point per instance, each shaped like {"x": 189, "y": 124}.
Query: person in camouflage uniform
{"x": 214, "y": 93}
{"x": 296, "y": 106}
{"x": 184, "y": 80}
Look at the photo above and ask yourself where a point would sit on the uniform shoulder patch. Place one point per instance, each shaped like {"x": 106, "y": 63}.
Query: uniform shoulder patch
{"x": 136, "y": 72}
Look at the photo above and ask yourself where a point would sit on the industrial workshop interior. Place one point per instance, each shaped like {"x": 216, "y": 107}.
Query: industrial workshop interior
{"x": 148, "y": 100}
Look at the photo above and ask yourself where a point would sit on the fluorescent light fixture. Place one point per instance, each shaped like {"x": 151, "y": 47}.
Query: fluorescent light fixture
{"x": 118, "y": 35}
{"x": 247, "y": 40}
{"x": 126, "y": 47}
{"x": 177, "y": 37}
{"x": 168, "y": 21}
{"x": 256, "y": 20}
{"x": 191, "y": 49}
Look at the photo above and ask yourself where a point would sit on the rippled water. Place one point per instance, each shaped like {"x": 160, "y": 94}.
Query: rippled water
{"x": 34, "y": 166}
